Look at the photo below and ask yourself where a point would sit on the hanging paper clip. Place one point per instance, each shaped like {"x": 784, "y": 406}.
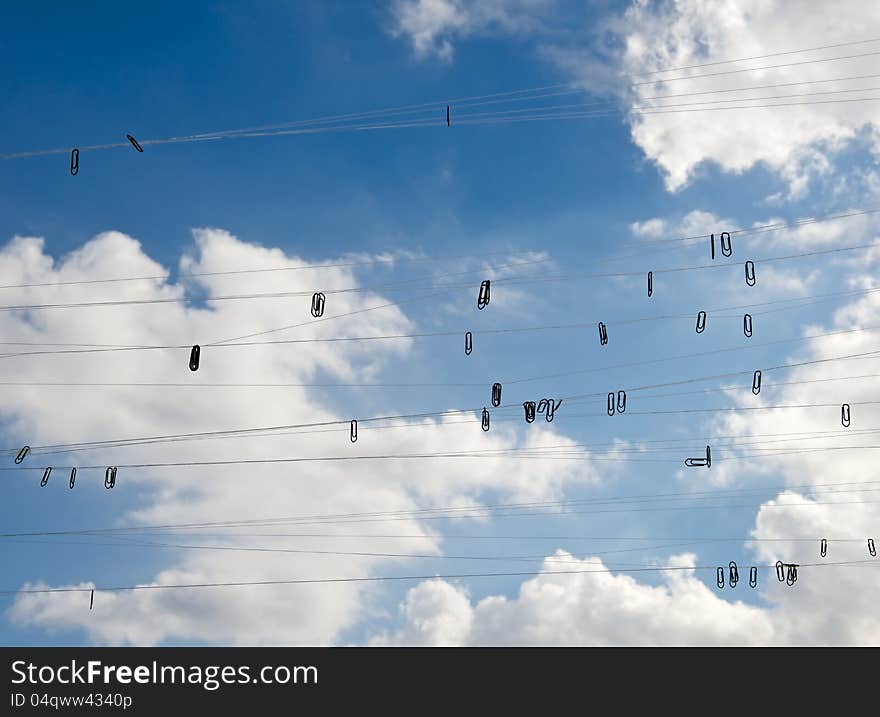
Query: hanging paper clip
{"x": 753, "y": 577}
{"x": 92, "y": 600}
{"x": 448, "y": 124}
{"x": 72, "y": 478}
{"x": 194, "y": 357}
{"x": 496, "y": 394}
{"x": 74, "y": 161}
{"x": 468, "y": 343}
{"x": 700, "y": 462}
{"x": 483, "y": 296}
{"x": 603, "y": 334}
{"x": 22, "y": 454}
{"x": 110, "y": 477}
{"x": 548, "y": 407}
{"x": 791, "y": 574}
{"x": 354, "y": 432}
{"x": 844, "y": 415}
{"x": 529, "y": 407}
{"x": 734, "y": 574}
{"x": 719, "y": 577}
{"x": 712, "y": 245}
{"x": 485, "y": 423}
{"x": 611, "y": 403}
{"x": 780, "y": 571}
{"x": 872, "y": 549}
{"x": 726, "y": 244}
{"x": 621, "y": 401}
{"x": 747, "y": 324}
{"x": 45, "y": 478}
{"x": 650, "y": 284}
{"x": 318, "y": 300}
{"x": 823, "y": 548}
{"x": 756, "y": 382}
{"x": 701, "y": 322}
{"x": 134, "y": 143}
{"x": 750, "y": 272}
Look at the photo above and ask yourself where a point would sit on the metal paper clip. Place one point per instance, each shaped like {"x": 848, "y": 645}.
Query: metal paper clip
{"x": 719, "y": 577}
{"x": 712, "y": 245}
{"x": 92, "y": 600}
{"x": 791, "y": 574}
{"x": 844, "y": 415}
{"x": 548, "y": 407}
{"x": 318, "y": 300}
{"x": 780, "y": 571}
{"x": 700, "y": 462}
{"x": 496, "y": 394}
{"x": 650, "y": 284}
{"x": 194, "y": 357}
{"x": 72, "y": 478}
{"x": 354, "y": 432}
{"x": 621, "y": 401}
{"x": 45, "y": 478}
{"x": 22, "y": 454}
{"x": 701, "y": 322}
{"x": 753, "y": 577}
{"x": 872, "y": 549}
{"x": 448, "y": 124}
{"x": 603, "y": 334}
{"x": 747, "y": 324}
{"x": 468, "y": 343}
{"x": 750, "y": 272}
{"x": 823, "y": 548}
{"x": 611, "y": 403}
{"x": 756, "y": 382}
{"x": 74, "y": 161}
{"x": 134, "y": 143}
{"x": 734, "y": 574}
{"x": 485, "y": 424}
{"x": 483, "y": 296}
{"x": 110, "y": 477}
{"x": 529, "y": 407}
{"x": 726, "y": 244}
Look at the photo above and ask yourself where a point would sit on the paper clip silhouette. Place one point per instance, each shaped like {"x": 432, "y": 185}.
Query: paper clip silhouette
{"x": 780, "y": 571}
{"x": 92, "y": 600}
{"x": 110, "y": 477}
{"x": 700, "y": 462}
{"x": 791, "y": 574}
{"x": 72, "y": 478}
{"x": 318, "y": 300}
{"x": 134, "y": 143}
{"x": 750, "y": 272}
{"x": 496, "y": 394}
{"x": 650, "y": 284}
{"x": 603, "y": 334}
{"x": 621, "y": 401}
{"x": 468, "y": 343}
{"x": 194, "y": 357}
{"x": 448, "y": 124}
{"x": 756, "y": 382}
{"x": 712, "y": 245}
{"x": 719, "y": 577}
{"x": 701, "y": 322}
{"x": 529, "y": 407}
{"x": 74, "y": 161}
{"x": 844, "y": 415}
{"x": 823, "y": 548}
{"x": 353, "y": 435}
{"x": 485, "y": 423}
{"x": 734, "y": 574}
{"x": 872, "y": 549}
{"x": 726, "y": 244}
{"x": 611, "y": 403}
{"x": 45, "y": 478}
{"x": 22, "y": 454}
{"x": 483, "y": 296}
{"x": 548, "y": 407}
{"x": 747, "y": 325}
{"x": 753, "y": 577}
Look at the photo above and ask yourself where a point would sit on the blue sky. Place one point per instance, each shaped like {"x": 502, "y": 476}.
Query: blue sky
{"x": 566, "y": 192}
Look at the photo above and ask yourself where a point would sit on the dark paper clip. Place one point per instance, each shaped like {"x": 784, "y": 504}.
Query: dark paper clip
{"x": 823, "y": 548}
{"x": 791, "y": 574}
{"x": 134, "y": 143}
{"x": 496, "y": 394}
{"x": 354, "y": 432}
{"x": 650, "y": 284}
{"x": 194, "y": 357}
{"x": 756, "y": 382}
{"x": 872, "y": 549}
{"x": 726, "y": 244}
{"x": 701, "y": 322}
{"x": 621, "y": 401}
{"x": 74, "y": 161}
{"x": 700, "y": 462}
{"x": 712, "y": 245}
{"x": 22, "y": 454}
{"x": 734, "y": 574}
{"x": 529, "y": 407}
{"x": 603, "y": 334}
{"x": 719, "y": 577}
{"x": 844, "y": 415}
{"x": 72, "y": 478}
{"x": 468, "y": 343}
{"x": 318, "y": 300}
{"x": 548, "y": 407}
{"x": 485, "y": 423}
{"x": 448, "y": 124}
{"x": 747, "y": 324}
{"x": 750, "y": 272}
{"x": 46, "y": 475}
{"x": 110, "y": 477}
{"x": 92, "y": 600}
{"x": 753, "y": 577}
{"x": 483, "y": 296}
{"x": 611, "y": 403}
{"x": 780, "y": 571}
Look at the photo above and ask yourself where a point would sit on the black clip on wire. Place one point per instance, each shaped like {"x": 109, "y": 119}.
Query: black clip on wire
{"x": 110, "y": 477}
{"x": 650, "y": 284}
{"x": 734, "y": 574}
{"x": 483, "y": 296}
{"x": 529, "y": 407}
{"x": 318, "y": 300}
{"x": 756, "y": 382}
{"x": 134, "y": 143}
{"x": 485, "y": 423}
{"x": 353, "y": 435}
{"x": 747, "y": 325}
{"x": 726, "y": 244}
{"x": 750, "y": 272}
{"x": 468, "y": 343}
{"x": 45, "y": 478}
{"x": 611, "y": 403}
{"x": 72, "y": 478}
{"x": 844, "y": 415}
{"x": 753, "y": 577}
{"x": 496, "y": 394}
{"x": 780, "y": 571}
{"x": 700, "y": 462}
{"x": 791, "y": 575}
{"x": 872, "y": 549}
{"x": 194, "y": 357}
{"x": 719, "y": 577}
{"x": 823, "y": 548}
{"x": 603, "y": 334}
{"x": 74, "y": 161}
{"x": 701, "y": 322}
{"x": 22, "y": 454}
